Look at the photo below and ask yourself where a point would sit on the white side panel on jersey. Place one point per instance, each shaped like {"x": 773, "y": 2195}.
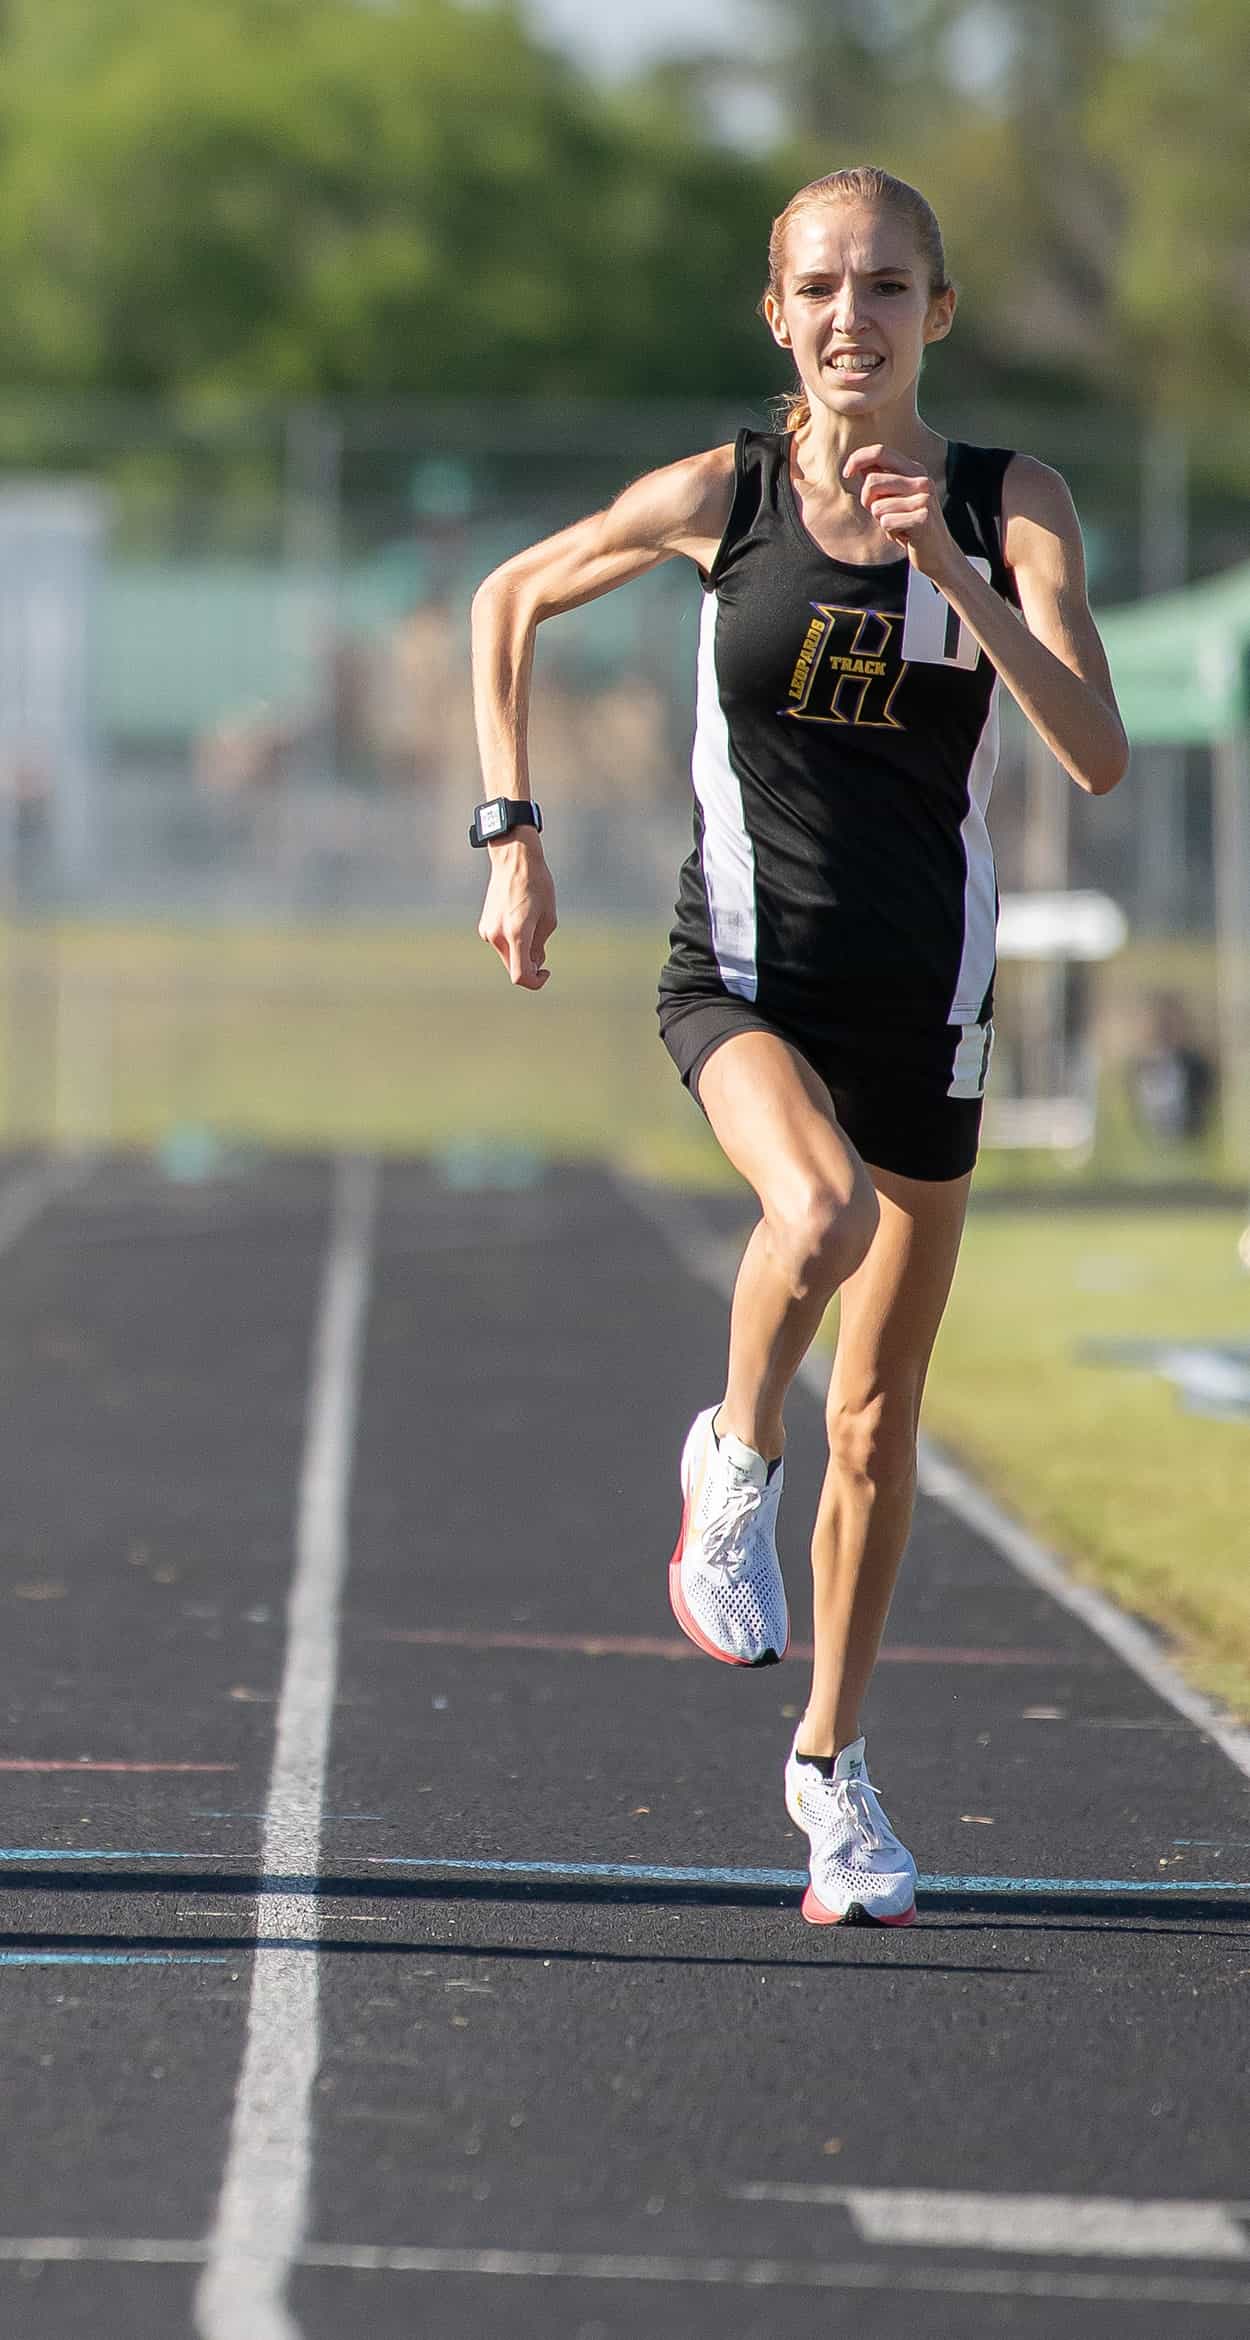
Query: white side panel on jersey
{"x": 972, "y": 1061}
{"x": 980, "y": 892}
{"x": 728, "y": 854}
{"x": 933, "y": 634}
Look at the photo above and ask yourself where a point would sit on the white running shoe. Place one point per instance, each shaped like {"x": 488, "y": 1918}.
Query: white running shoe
{"x": 724, "y": 1579}
{"x": 860, "y": 1874}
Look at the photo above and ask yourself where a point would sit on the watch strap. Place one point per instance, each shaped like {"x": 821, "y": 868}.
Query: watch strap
{"x": 499, "y": 816}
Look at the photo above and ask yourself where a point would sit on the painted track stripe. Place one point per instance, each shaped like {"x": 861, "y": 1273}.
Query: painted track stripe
{"x": 264, "y": 2192}
{"x": 382, "y": 1817}
{"x": 82, "y": 1763}
{"x": 27, "y": 1195}
{"x": 113, "y": 1958}
{"x": 789, "y": 1880}
{"x": 90, "y": 1852}
{"x": 676, "y": 1649}
{"x": 886, "y": 2274}
{"x": 303, "y": 1883}
{"x": 943, "y": 1481}
{"x": 770, "y": 2274}
{"x": 1069, "y": 2226}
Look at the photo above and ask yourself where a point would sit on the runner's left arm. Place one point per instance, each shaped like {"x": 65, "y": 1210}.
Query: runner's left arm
{"x": 1054, "y": 664}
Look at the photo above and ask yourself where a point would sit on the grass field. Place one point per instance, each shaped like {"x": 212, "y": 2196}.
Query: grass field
{"x": 1145, "y": 1499}
{"x": 405, "y": 1038}
{"x": 400, "y": 1040}
{"x": 410, "y": 1041}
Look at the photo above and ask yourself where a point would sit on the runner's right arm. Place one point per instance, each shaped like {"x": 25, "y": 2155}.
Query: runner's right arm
{"x": 683, "y": 508}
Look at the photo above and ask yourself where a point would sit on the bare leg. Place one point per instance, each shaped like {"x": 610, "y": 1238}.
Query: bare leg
{"x": 775, "y": 1120}
{"x": 891, "y": 1308}
{"x": 770, "y": 1333}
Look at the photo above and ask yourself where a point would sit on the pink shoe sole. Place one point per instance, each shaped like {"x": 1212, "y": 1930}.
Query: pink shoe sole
{"x": 693, "y": 1631}
{"x": 817, "y": 1915}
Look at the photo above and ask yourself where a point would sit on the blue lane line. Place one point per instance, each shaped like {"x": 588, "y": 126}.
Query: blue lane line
{"x": 787, "y": 1880}
{"x": 86, "y": 1852}
{"x": 1191, "y": 1885}
{"x": 619, "y": 1873}
{"x": 638, "y": 1872}
{"x": 112, "y": 1958}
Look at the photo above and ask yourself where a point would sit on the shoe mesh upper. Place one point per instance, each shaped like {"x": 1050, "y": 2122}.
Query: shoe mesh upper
{"x": 730, "y": 1575}
{"x": 743, "y": 1613}
{"x": 855, "y": 1854}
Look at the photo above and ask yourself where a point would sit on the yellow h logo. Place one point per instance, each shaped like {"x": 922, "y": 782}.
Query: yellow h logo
{"x": 842, "y": 674}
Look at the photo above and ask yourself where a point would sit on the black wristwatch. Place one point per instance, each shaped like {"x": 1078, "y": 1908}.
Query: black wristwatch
{"x": 500, "y": 816}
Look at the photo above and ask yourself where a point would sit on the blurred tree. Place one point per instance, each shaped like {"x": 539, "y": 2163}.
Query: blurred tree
{"x": 1173, "y": 120}
{"x": 1036, "y": 216}
{"x": 983, "y": 104}
{"x": 314, "y": 197}
{"x": 311, "y": 196}
{"x": 853, "y": 76}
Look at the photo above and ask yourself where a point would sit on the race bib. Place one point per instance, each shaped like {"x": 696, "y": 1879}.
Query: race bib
{"x": 933, "y": 633}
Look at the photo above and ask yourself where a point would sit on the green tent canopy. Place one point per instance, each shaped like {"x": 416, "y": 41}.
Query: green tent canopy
{"x": 1181, "y": 662}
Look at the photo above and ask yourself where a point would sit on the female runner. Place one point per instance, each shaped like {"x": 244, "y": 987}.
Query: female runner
{"x": 828, "y": 993}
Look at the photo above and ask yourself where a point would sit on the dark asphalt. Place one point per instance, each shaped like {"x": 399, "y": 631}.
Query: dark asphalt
{"x": 552, "y": 2065}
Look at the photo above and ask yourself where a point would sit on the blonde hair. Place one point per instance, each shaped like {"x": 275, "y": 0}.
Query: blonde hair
{"x": 865, "y": 183}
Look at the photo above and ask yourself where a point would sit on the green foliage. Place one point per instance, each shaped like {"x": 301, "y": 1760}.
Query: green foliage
{"x": 225, "y": 199}
{"x": 287, "y": 196}
{"x": 1174, "y": 120}
{"x": 1088, "y": 160}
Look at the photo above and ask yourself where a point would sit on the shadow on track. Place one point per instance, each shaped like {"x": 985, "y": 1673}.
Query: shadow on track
{"x": 544, "y": 1954}
{"x": 985, "y": 1904}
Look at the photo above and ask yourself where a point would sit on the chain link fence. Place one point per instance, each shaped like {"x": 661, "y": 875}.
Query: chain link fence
{"x": 236, "y": 701}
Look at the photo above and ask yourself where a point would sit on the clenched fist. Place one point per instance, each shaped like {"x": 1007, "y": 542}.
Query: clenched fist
{"x": 519, "y": 914}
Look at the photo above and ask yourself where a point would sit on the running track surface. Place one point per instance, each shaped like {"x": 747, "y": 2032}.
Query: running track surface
{"x": 493, "y": 2067}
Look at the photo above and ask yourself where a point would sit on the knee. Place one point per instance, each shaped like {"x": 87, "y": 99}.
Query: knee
{"x": 823, "y": 1236}
{"x": 873, "y": 1440}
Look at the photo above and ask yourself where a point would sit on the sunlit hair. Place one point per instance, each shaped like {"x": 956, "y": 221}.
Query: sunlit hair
{"x": 863, "y": 184}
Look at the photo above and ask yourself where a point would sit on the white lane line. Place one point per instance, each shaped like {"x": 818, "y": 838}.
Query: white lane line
{"x": 264, "y": 2193}
{"x": 1069, "y": 2226}
{"x": 768, "y": 2274}
{"x": 92, "y": 2250}
{"x": 888, "y": 2274}
{"x": 943, "y": 1481}
{"x": 26, "y": 1195}
{"x": 947, "y": 1484}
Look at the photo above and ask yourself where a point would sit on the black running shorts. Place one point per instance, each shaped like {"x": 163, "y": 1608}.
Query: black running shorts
{"x": 891, "y": 1090}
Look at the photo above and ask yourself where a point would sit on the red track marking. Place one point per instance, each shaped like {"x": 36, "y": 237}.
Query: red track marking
{"x": 668, "y": 1646}
{"x": 569, "y": 1644}
{"x": 905, "y": 1654}
{"x": 83, "y": 1763}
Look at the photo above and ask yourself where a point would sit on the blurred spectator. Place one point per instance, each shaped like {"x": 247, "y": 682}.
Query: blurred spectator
{"x": 399, "y": 712}
{"x": 1173, "y": 1081}
{"x": 26, "y": 789}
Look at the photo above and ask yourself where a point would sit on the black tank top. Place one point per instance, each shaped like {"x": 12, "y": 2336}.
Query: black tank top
{"x": 846, "y": 737}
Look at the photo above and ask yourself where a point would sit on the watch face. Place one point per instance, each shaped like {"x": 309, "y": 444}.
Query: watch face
{"x": 492, "y": 820}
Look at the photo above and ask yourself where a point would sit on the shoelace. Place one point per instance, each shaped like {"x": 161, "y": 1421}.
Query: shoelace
{"x": 721, "y": 1536}
{"x": 855, "y": 1802}
{"x": 858, "y": 1806}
